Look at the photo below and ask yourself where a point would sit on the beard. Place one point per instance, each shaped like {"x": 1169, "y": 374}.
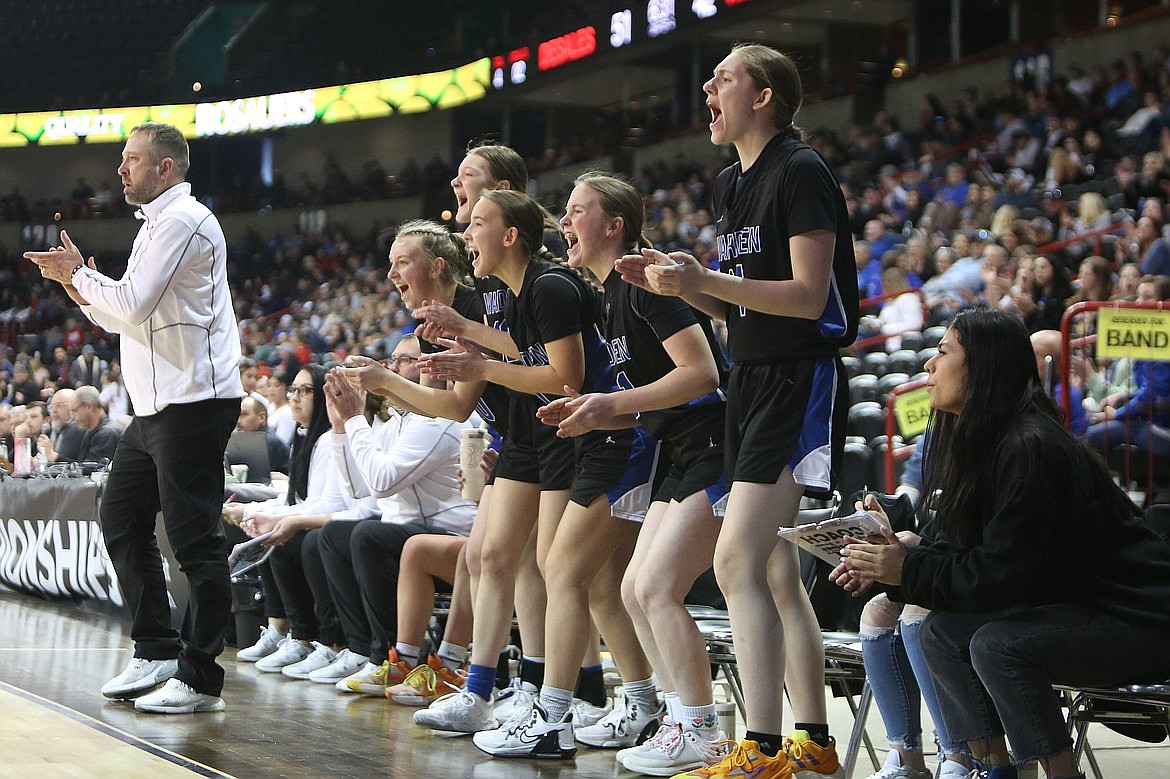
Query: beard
{"x": 142, "y": 192}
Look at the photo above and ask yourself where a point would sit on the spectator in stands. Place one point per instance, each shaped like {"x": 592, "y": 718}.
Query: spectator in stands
{"x": 1152, "y": 247}
{"x": 1152, "y": 180}
{"x": 63, "y": 443}
{"x": 1139, "y": 418}
{"x": 1094, "y": 283}
{"x": 114, "y": 395}
{"x": 1048, "y": 348}
{"x": 59, "y": 367}
{"x": 901, "y": 314}
{"x": 253, "y": 419}
{"x": 1042, "y": 306}
{"x": 869, "y": 270}
{"x": 1128, "y": 277}
{"x": 22, "y": 389}
{"x": 6, "y": 433}
{"x": 947, "y": 291}
{"x": 87, "y": 368}
{"x": 1092, "y": 214}
{"x": 280, "y": 420}
{"x": 999, "y": 635}
{"x": 1017, "y": 191}
{"x": 100, "y": 433}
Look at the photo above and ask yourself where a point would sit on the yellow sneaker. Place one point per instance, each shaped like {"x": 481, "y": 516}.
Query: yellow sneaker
{"x": 810, "y": 760}
{"x": 425, "y": 683}
{"x": 388, "y": 674}
{"x": 744, "y": 760}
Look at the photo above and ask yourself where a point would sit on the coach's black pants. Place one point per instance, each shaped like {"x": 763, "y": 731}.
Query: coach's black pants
{"x": 173, "y": 460}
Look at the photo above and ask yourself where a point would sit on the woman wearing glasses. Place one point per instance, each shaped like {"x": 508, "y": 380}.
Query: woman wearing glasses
{"x": 314, "y": 493}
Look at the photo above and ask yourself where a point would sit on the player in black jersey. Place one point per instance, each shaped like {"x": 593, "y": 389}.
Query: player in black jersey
{"x": 554, "y": 323}
{"x": 787, "y": 290}
{"x": 670, "y": 372}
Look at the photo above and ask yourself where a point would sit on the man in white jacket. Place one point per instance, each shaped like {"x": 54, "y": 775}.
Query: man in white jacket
{"x": 179, "y": 345}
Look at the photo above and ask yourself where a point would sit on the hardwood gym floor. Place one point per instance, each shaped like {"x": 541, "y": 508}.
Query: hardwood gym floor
{"x": 54, "y": 657}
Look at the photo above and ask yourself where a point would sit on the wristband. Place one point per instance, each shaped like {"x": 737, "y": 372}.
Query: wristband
{"x": 73, "y": 272}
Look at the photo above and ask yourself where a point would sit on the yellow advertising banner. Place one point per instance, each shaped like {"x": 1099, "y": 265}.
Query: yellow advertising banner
{"x": 326, "y": 105}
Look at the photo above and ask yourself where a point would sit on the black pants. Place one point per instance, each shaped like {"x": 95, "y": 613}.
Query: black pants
{"x": 296, "y": 565}
{"x": 173, "y": 460}
{"x": 361, "y": 562}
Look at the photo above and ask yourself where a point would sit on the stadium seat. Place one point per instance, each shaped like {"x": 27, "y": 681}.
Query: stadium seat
{"x": 852, "y": 365}
{"x": 932, "y": 335}
{"x": 905, "y": 360}
{"x": 876, "y": 363}
{"x": 913, "y": 341}
{"x": 866, "y": 419}
{"x": 888, "y": 383}
{"x": 863, "y": 387}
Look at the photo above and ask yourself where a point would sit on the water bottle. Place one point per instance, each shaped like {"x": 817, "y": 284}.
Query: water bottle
{"x": 5, "y": 464}
{"x": 42, "y": 465}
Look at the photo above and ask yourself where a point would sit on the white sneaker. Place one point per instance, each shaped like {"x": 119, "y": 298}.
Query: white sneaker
{"x": 518, "y": 696}
{"x": 952, "y": 769}
{"x": 893, "y": 769}
{"x": 140, "y": 675}
{"x": 175, "y": 697}
{"x": 344, "y": 664}
{"x": 459, "y": 712}
{"x": 531, "y": 736}
{"x": 688, "y": 750}
{"x": 321, "y": 657}
{"x": 361, "y": 674}
{"x": 586, "y": 714}
{"x": 290, "y": 651}
{"x": 270, "y": 639}
{"x": 625, "y": 726}
{"x": 667, "y": 730}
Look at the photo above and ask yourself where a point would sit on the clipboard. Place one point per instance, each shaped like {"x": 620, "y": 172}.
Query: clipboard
{"x": 825, "y": 539}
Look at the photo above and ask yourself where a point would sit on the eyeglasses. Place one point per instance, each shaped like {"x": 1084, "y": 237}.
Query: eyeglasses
{"x": 300, "y": 390}
{"x": 398, "y": 362}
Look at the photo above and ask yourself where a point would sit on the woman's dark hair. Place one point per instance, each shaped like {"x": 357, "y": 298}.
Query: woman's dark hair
{"x": 1003, "y": 391}
{"x": 302, "y": 448}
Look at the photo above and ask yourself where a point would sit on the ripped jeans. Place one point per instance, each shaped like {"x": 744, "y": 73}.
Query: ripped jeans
{"x": 898, "y": 674}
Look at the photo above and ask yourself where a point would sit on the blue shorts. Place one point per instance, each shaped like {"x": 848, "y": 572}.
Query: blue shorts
{"x": 620, "y": 464}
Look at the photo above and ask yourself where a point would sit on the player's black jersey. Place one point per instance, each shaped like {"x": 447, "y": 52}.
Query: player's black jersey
{"x": 637, "y": 323}
{"x": 554, "y": 303}
{"x": 492, "y": 406}
{"x": 789, "y": 190}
